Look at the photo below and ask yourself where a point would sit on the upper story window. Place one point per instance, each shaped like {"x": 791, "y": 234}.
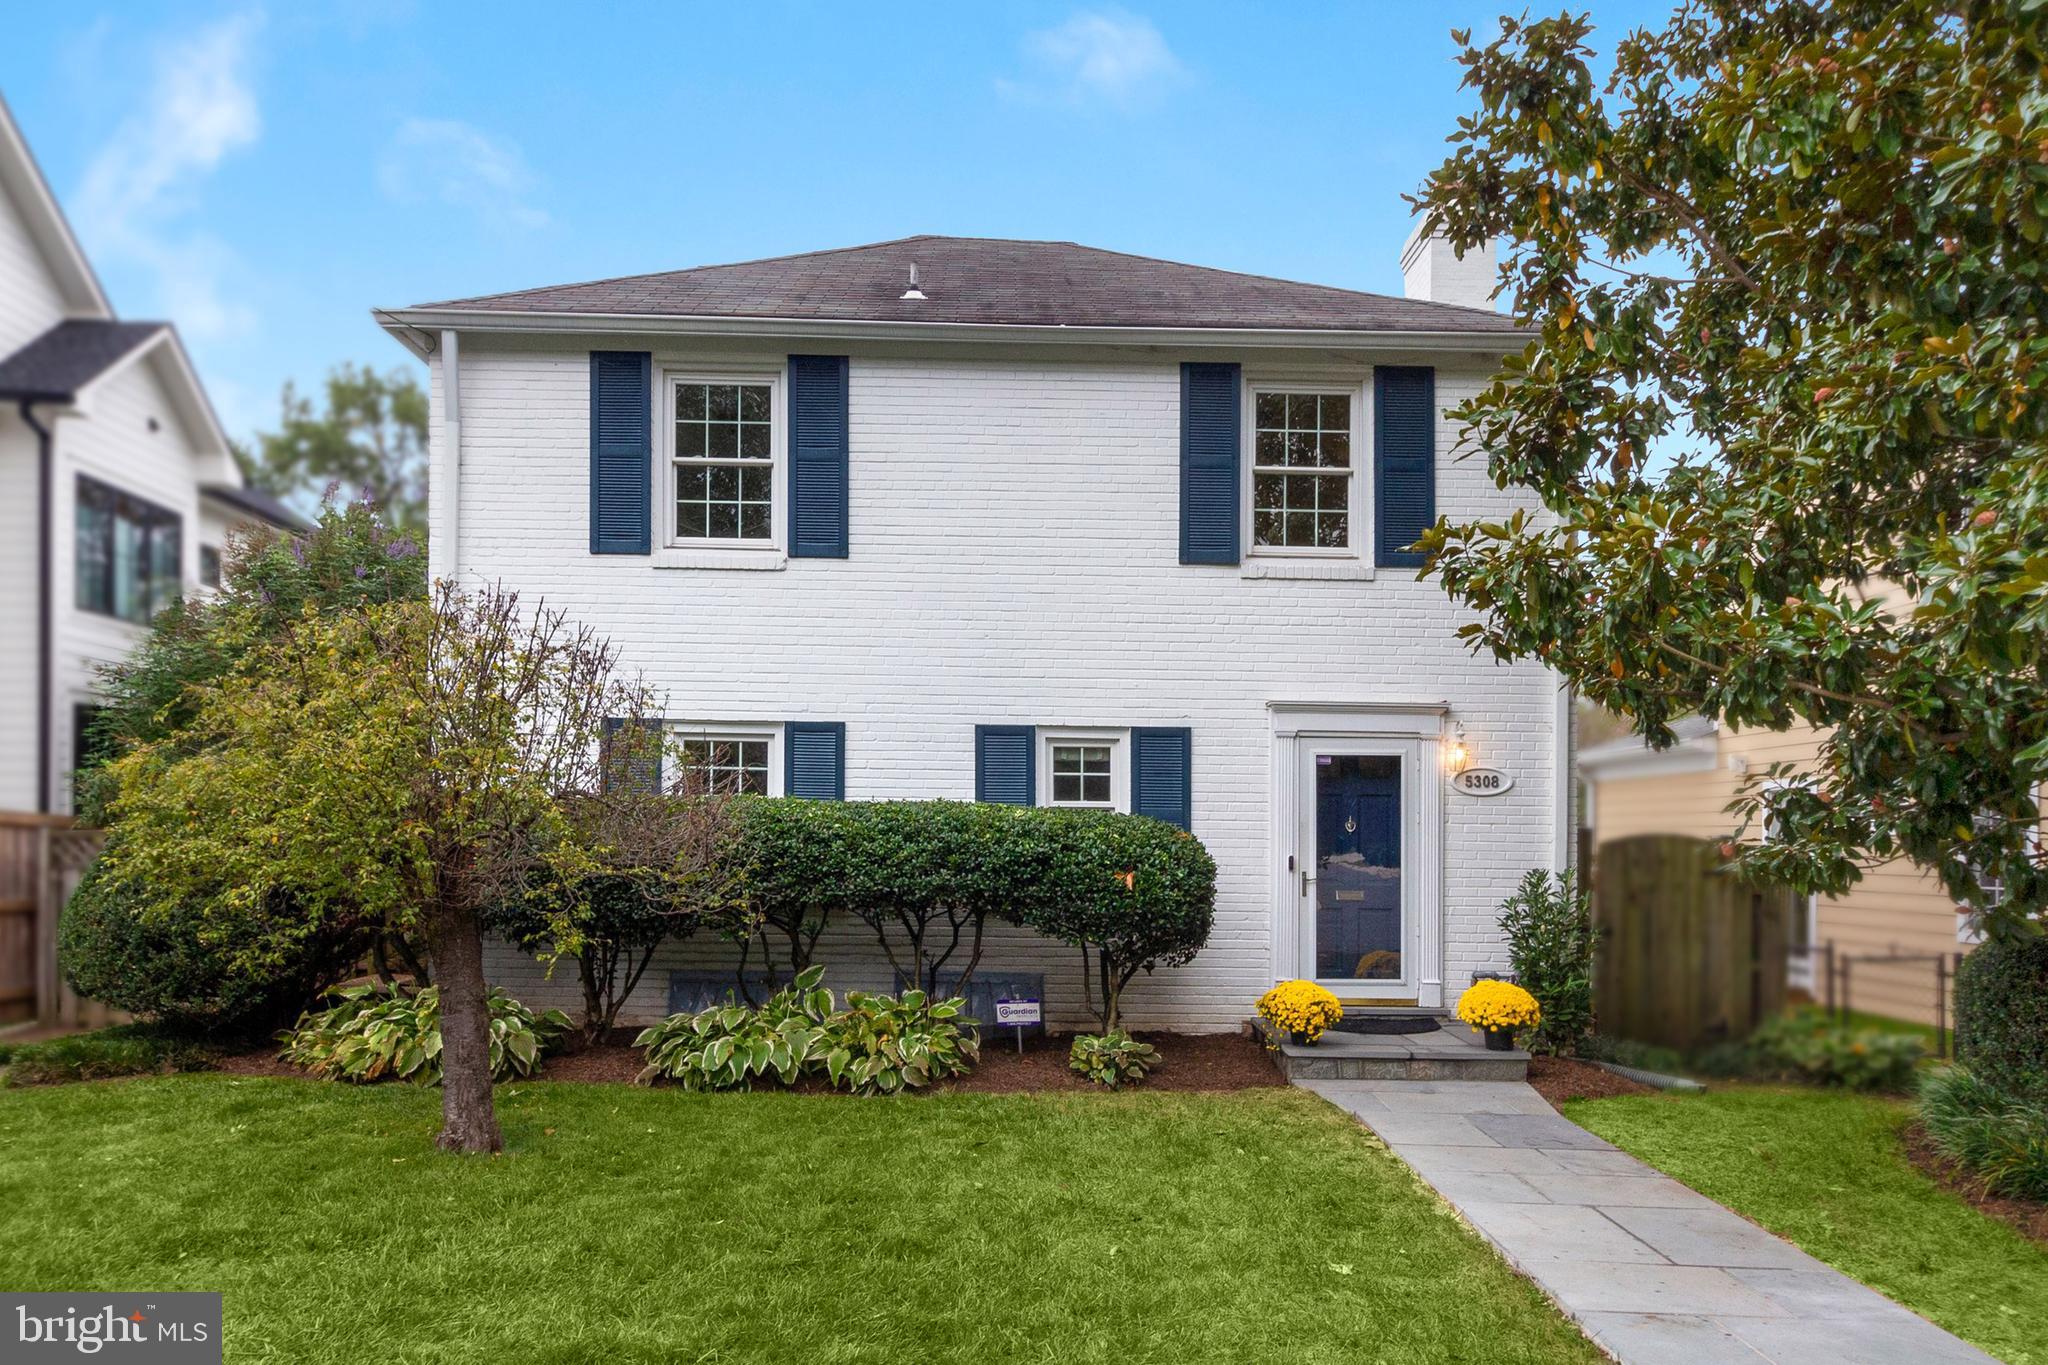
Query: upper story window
{"x": 725, "y": 461}
{"x": 209, "y": 566}
{"x": 1304, "y": 498}
{"x": 128, "y": 558}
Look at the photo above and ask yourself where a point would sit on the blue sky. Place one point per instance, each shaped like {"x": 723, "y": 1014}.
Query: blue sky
{"x": 263, "y": 176}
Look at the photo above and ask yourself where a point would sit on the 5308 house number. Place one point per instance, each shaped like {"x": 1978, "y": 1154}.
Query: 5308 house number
{"x": 1482, "y": 781}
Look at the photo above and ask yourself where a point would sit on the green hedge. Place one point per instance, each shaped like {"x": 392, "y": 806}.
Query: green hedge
{"x": 2002, "y": 1016}
{"x": 186, "y": 969}
{"x": 1136, "y": 893}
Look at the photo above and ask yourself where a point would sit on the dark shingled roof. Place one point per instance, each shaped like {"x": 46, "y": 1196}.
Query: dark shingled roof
{"x": 992, "y": 281}
{"x": 63, "y": 360}
{"x": 257, "y": 504}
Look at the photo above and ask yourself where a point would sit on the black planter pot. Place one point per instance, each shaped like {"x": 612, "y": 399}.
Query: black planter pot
{"x": 1500, "y": 1040}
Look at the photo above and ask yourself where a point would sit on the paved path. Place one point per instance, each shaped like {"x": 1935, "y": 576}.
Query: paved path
{"x": 1652, "y": 1271}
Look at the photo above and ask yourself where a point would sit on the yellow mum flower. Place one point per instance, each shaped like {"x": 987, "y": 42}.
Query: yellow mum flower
{"x": 1498, "y": 1004}
{"x": 1300, "y": 1007}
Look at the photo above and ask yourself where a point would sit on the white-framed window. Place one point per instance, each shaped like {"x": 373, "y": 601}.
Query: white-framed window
{"x": 729, "y": 758}
{"x": 1305, "y": 487}
{"x": 724, "y": 446}
{"x": 1084, "y": 769}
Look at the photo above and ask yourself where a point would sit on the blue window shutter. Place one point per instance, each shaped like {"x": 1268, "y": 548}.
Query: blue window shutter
{"x": 621, "y": 452}
{"x": 1403, "y": 460}
{"x": 1211, "y": 412}
{"x": 1162, "y": 760}
{"x": 639, "y": 770}
{"x": 1006, "y": 764}
{"x": 818, "y": 452}
{"x": 814, "y": 759}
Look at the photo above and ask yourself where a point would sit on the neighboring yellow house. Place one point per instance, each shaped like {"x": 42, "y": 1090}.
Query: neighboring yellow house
{"x": 1898, "y": 910}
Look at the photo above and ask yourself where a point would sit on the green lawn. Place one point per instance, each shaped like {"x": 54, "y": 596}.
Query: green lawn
{"x": 1825, "y": 1169}
{"x": 627, "y": 1224}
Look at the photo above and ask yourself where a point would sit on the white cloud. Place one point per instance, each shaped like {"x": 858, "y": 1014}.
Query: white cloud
{"x": 1105, "y": 56}
{"x": 451, "y": 162}
{"x": 147, "y": 177}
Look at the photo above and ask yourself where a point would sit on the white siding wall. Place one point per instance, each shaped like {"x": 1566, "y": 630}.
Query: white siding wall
{"x": 29, "y": 306}
{"x": 17, "y": 612}
{"x": 29, "y": 301}
{"x": 110, "y": 440}
{"x": 1015, "y": 559}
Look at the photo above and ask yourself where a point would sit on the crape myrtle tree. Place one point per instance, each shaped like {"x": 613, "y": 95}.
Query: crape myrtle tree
{"x": 405, "y": 764}
{"x": 1814, "y": 233}
{"x": 663, "y": 867}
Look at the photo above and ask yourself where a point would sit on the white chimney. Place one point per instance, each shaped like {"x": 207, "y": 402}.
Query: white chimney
{"x": 1431, "y": 270}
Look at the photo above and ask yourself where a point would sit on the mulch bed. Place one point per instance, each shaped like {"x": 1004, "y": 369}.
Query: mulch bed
{"x": 602, "y": 1063}
{"x": 2028, "y": 1217}
{"x": 1204, "y": 1061}
{"x": 263, "y": 1063}
{"x": 1558, "y": 1079}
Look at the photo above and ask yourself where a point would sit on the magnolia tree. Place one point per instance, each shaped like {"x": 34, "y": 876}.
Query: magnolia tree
{"x": 404, "y": 765}
{"x": 1813, "y": 233}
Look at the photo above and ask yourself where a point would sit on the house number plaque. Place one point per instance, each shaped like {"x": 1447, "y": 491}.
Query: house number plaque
{"x": 1482, "y": 781}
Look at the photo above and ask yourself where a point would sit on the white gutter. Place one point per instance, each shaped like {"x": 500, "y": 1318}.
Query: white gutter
{"x": 444, "y": 480}
{"x": 519, "y": 321}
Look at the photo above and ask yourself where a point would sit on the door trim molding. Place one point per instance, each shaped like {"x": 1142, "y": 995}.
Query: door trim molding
{"x": 1296, "y": 726}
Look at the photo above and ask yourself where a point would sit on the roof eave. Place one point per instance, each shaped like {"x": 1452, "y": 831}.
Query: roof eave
{"x": 396, "y": 320}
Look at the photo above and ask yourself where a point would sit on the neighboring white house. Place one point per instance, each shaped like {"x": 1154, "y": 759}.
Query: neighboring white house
{"x": 117, "y": 488}
{"x": 1034, "y": 522}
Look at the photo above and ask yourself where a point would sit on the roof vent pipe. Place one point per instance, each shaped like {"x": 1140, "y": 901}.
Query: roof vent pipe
{"x": 913, "y": 292}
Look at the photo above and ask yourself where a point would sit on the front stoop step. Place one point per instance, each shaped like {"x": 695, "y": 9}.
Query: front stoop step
{"x": 1452, "y": 1053}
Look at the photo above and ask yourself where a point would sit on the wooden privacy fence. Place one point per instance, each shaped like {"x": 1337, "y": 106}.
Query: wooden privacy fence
{"x": 1688, "y": 955}
{"x": 41, "y": 859}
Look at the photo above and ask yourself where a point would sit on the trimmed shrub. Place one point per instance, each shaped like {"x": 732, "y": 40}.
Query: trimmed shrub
{"x": 374, "y": 1033}
{"x": 2002, "y": 1016}
{"x": 1550, "y": 933}
{"x": 1132, "y": 892}
{"x": 191, "y": 970}
{"x": 2001, "y": 1139}
{"x": 123, "y": 1050}
{"x": 1112, "y": 1059}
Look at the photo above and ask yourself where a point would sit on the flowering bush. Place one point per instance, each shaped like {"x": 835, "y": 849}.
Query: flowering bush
{"x": 1300, "y": 1008}
{"x": 1498, "y": 1004}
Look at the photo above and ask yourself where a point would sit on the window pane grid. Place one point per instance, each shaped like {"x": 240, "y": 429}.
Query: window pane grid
{"x": 1301, "y": 470}
{"x": 127, "y": 558}
{"x": 1081, "y": 774}
{"x": 725, "y": 766}
{"x": 724, "y": 471}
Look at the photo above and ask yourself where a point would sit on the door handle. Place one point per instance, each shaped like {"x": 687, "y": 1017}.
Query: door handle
{"x": 1305, "y": 880}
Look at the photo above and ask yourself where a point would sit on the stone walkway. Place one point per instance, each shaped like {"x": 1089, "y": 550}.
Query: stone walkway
{"x": 1651, "y": 1270}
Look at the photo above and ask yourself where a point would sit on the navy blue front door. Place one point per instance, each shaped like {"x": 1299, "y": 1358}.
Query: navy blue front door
{"x": 1358, "y": 867}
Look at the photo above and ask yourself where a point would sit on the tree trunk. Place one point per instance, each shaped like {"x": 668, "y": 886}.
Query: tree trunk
{"x": 468, "y": 1123}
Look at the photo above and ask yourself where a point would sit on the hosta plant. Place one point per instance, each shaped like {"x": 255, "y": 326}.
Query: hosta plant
{"x": 374, "y": 1033}
{"x": 729, "y": 1046}
{"x": 881, "y": 1044}
{"x": 1112, "y": 1059}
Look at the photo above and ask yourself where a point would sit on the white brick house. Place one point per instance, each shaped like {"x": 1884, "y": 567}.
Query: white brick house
{"x": 987, "y": 533}
{"x": 117, "y": 488}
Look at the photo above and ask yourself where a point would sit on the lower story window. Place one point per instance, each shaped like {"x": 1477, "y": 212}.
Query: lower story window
{"x": 1080, "y": 774}
{"x": 727, "y": 766}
